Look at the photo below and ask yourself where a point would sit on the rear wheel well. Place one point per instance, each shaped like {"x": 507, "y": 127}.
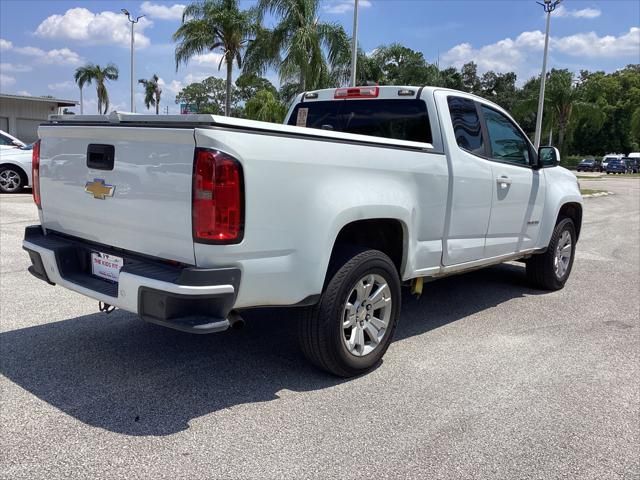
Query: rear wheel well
{"x": 574, "y": 212}
{"x": 384, "y": 234}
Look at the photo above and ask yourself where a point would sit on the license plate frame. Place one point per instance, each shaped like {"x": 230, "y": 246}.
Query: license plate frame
{"x": 106, "y": 266}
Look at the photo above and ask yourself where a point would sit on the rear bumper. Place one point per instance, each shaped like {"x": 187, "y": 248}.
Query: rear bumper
{"x": 184, "y": 298}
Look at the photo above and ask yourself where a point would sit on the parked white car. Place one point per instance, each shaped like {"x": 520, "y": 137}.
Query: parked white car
{"x": 187, "y": 220}
{"x": 8, "y": 141}
{"x": 15, "y": 169}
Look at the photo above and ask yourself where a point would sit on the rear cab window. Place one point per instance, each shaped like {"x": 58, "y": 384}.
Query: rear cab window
{"x": 466, "y": 125}
{"x": 401, "y": 119}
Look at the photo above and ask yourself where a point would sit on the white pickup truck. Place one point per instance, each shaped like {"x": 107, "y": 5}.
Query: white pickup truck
{"x": 188, "y": 220}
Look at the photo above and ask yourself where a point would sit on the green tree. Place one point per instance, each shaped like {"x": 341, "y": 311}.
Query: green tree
{"x": 249, "y": 84}
{"x": 266, "y": 107}
{"x": 91, "y": 73}
{"x": 216, "y": 25}
{"x": 563, "y": 102}
{"x": 499, "y": 88}
{"x": 303, "y": 49}
{"x": 208, "y": 96}
{"x": 402, "y": 66}
{"x": 152, "y": 92}
{"x": 470, "y": 80}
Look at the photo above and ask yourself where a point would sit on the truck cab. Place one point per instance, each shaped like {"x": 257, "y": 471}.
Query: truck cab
{"x": 187, "y": 220}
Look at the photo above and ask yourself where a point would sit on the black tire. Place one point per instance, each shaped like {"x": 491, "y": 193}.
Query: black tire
{"x": 541, "y": 270}
{"x": 321, "y": 331}
{"x": 21, "y": 176}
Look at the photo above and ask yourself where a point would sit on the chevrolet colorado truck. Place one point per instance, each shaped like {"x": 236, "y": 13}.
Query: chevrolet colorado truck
{"x": 186, "y": 220}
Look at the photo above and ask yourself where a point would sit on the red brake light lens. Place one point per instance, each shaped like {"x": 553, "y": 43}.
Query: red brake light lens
{"x": 357, "y": 92}
{"x": 35, "y": 173}
{"x": 218, "y": 198}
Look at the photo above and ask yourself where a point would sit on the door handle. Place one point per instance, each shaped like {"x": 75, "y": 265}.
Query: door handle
{"x": 100, "y": 156}
{"x": 503, "y": 181}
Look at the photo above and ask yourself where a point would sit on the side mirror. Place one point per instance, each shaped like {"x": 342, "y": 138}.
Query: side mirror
{"x": 548, "y": 157}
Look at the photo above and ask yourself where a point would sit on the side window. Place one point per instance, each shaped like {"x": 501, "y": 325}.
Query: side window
{"x": 507, "y": 143}
{"x": 5, "y": 140}
{"x": 466, "y": 124}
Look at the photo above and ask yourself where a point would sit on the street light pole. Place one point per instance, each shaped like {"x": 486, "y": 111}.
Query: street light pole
{"x": 354, "y": 45}
{"x": 549, "y": 6}
{"x": 133, "y": 22}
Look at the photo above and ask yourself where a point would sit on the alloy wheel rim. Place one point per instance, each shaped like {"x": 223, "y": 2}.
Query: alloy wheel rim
{"x": 10, "y": 180}
{"x": 366, "y": 315}
{"x": 563, "y": 254}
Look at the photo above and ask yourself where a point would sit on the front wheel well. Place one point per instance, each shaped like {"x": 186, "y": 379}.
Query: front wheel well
{"x": 574, "y": 212}
{"x": 383, "y": 234}
{"x": 16, "y": 167}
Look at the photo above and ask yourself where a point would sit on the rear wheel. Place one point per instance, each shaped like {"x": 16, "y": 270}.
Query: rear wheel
{"x": 550, "y": 270}
{"x": 12, "y": 179}
{"x": 350, "y": 329}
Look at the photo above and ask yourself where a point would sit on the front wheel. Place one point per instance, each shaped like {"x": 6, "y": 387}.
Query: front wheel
{"x": 550, "y": 270}
{"x": 12, "y": 179}
{"x": 350, "y": 329}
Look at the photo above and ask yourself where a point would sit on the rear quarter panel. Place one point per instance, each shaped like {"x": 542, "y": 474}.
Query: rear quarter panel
{"x": 301, "y": 192}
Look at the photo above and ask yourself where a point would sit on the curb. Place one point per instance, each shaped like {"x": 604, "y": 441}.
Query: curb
{"x": 599, "y": 194}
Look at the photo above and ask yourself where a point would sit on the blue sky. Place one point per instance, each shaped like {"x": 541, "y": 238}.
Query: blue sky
{"x": 42, "y": 42}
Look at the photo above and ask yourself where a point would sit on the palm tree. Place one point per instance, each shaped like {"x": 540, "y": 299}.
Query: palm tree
{"x": 152, "y": 92}
{"x": 213, "y": 25}
{"x": 265, "y": 107}
{"x": 564, "y": 103}
{"x": 94, "y": 73}
{"x": 301, "y": 47}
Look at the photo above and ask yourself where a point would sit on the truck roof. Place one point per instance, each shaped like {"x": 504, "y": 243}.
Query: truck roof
{"x": 385, "y": 92}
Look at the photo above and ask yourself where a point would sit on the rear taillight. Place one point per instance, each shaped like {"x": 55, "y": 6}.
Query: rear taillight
{"x": 35, "y": 173}
{"x": 218, "y": 198}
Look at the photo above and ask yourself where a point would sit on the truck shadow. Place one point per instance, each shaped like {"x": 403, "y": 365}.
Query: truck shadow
{"x": 120, "y": 374}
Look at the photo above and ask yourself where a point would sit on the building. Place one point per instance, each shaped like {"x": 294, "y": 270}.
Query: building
{"x": 21, "y": 115}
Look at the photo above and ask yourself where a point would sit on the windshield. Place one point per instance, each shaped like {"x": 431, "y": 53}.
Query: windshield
{"x": 397, "y": 119}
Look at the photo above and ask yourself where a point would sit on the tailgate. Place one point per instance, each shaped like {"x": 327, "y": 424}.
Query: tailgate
{"x": 140, "y": 201}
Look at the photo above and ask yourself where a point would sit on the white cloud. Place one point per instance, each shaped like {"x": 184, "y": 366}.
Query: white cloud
{"x": 162, "y": 12}
{"x": 31, "y": 51}
{"x": 515, "y": 55}
{"x": 195, "y": 78}
{"x": 591, "y": 45}
{"x": 14, "y": 68}
{"x": 58, "y": 56}
{"x": 211, "y": 59}
{"x": 23, "y": 93}
{"x": 6, "y": 81}
{"x": 563, "y": 12}
{"x": 104, "y": 28}
{"x": 68, "y": 85}
{"x": 339, "y": 7}
{"x": 173, "y": 88}
{"x": 61, "y": 56}
{"x": 5, "y": 44}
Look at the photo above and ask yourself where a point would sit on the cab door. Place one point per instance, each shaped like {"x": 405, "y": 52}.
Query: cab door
{"x": 471, "y": 179}
{"x": 518, "y": 189}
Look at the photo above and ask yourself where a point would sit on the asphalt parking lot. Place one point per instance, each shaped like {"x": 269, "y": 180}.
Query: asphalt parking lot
{"x": 487, "y": 378}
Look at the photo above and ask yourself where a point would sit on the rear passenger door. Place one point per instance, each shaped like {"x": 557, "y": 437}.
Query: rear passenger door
{"x": 518, "y": 189}
{"x": 471, "y": 181}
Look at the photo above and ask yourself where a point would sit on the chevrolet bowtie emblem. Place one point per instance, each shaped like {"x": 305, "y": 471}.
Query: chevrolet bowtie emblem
{"x": 99, "y": 189}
